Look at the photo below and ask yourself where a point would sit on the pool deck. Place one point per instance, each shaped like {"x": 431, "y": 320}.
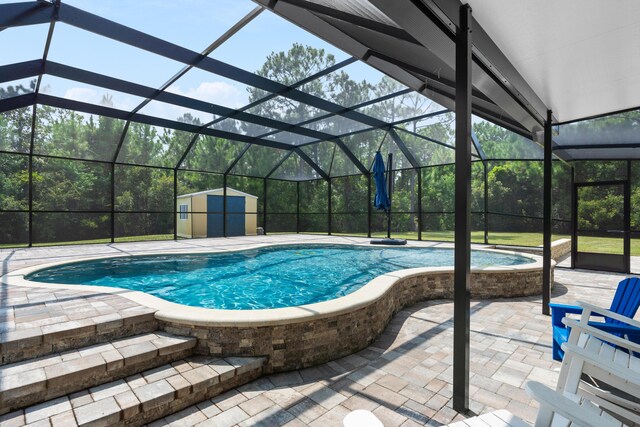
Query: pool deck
{"x": 404, "y": 377}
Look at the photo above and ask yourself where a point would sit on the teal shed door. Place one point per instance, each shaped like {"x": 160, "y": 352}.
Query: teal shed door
{"x": 214, "y": 220}
{"x": 235, "y": 216}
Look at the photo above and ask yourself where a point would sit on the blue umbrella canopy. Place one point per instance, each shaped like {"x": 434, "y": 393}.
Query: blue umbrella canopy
{"x": 381, "y": 200}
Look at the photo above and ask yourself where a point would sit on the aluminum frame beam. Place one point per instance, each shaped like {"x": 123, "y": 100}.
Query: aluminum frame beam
{"x": 16, "y": 102}
{"x": 559, "y": 147}
{"x": 47, "y": 45}
{"x": 401, "y": 145}
{"x": 311, "y": 163}
{"x": 323, "y": 25}
{"x": 28, "y": 69}
{"x": 476, "y": 143}
{"x": 277, "y": 166}
{"x": 21, "y": 14}
{"x": 236, "y": 160}
{"x": 21, "y": 70}
{"x": 546, "y": 222}
{"x": 89, "y": 22}
{"x": 81, "y": 19}
{"x": 489, "y": 54}
{"x": 427, "y": 138}
{"x": 88, "y": 77}
{"x": 154, "y": 121}
{"x": 213, "y": 46}
{"x": 462, "y": 250}
{"x": 424, "y": 22}
{"x": 340, "y": 144}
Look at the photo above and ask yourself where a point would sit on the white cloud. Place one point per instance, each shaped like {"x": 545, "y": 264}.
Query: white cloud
{"x": 92, "y": 96}
{"x": 83, "y": 94}
{"x": 173, "y": 112}
{"x": 220, "y": 93}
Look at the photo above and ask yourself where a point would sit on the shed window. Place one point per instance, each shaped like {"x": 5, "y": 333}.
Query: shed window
{"x": 184, "y": 211}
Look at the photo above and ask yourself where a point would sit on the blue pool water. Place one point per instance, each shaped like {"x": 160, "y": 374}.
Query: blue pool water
{"x": 273, "y": 277}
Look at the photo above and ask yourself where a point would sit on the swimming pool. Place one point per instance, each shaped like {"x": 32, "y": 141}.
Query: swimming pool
{"x": 299, "y": 336}
{"x": 263, "y": 278}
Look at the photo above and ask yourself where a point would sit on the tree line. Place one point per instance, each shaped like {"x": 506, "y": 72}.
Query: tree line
{"x": 72, "y": 166}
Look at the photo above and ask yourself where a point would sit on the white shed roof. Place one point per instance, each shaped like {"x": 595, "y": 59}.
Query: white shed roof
{"x": 216, "y": 191}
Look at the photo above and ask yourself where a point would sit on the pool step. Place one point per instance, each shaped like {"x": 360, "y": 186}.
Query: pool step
{"x": 28, "y": 343}
{"x": 33, "y": 381}
{"x": 144, "y": 397}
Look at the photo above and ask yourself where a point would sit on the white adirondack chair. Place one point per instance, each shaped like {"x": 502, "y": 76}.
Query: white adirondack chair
{"x": 587, "y": 352}
{"x": 361, "y": 418}
{"x": 590, "y": 354}
{"x": 555, "y": 410}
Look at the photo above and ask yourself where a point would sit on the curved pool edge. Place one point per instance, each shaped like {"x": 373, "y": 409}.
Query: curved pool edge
{"x": 298, "y": 337}
{"x": 199, "y": 316}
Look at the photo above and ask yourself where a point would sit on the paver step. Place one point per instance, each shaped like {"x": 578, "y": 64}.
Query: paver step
{"x": 29, "y": 382}
{"x": 144, "y": 397}
{"x": 28, "y": 343}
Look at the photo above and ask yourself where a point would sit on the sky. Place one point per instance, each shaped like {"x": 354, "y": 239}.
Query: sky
{"x": 194, "y": 24}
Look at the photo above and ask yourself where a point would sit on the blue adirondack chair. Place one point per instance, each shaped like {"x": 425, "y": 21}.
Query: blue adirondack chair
{"x": 625, "y": 302}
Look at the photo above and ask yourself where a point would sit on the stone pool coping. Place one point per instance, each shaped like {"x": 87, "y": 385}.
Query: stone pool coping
{"x": 176, "y": 313}
{"x": 298, "y": 337}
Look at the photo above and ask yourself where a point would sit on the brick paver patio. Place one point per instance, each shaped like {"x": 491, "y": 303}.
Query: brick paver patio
{"x": 404, "y": 377}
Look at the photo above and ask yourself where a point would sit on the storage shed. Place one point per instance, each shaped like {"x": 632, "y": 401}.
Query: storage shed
{"x": 201, "y": 214}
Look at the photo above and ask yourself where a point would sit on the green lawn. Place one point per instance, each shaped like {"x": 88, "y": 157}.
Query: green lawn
{"x": 606, "y": 245}
{"x": 107, "y": 240}
{"x": 514, "y": 239}
{"x": 586, "y": 244}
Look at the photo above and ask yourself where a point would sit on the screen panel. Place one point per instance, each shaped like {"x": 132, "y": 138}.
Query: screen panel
{"x": 67, "y": 133}
{"x": 71, "y": 228}
{"x": 71, "y": 185}
{"x": 15, "y": 130}
{"x": 14, "y": 182}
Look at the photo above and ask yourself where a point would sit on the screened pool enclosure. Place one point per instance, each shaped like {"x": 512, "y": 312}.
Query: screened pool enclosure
{"x": 110, "y": 110}
{"x": 103, "y": 125}
{"x": 107, "y": 117}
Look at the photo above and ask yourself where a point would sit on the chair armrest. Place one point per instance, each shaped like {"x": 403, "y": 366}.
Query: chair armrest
{"x": 559, "y": 311}
{"x": 628, "y": 375}
{"x": 608, "y": 313}
{"x": 564, "y": 308}
{"x": 578, "y": 327}
{"x": 631, "y": 331}
{"x": 565, "y": 407}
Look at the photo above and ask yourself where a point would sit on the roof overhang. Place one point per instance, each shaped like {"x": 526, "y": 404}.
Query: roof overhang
{"x": 414, "y": 43}
{"x": 577, "y": 58}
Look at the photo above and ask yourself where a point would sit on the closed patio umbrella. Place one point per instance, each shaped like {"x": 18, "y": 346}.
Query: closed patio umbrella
{"x": 382, "y": 199}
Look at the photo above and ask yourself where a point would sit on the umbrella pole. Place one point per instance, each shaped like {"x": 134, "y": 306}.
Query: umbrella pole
{"x": 390, "y": 159}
